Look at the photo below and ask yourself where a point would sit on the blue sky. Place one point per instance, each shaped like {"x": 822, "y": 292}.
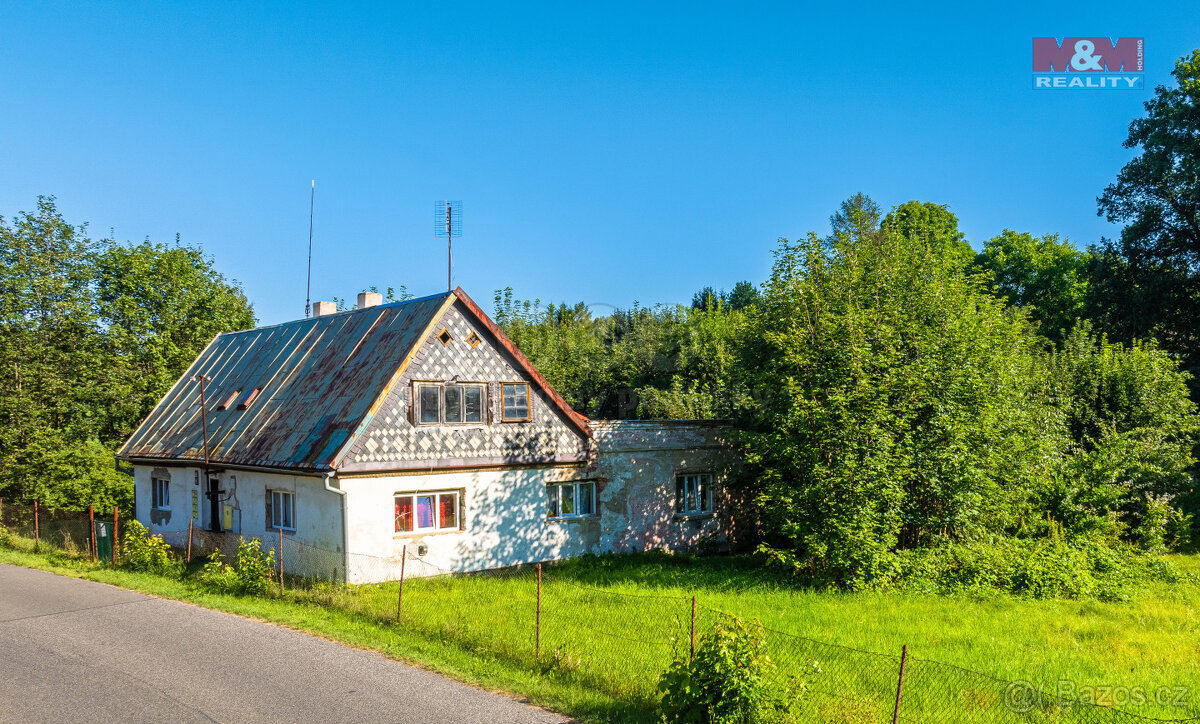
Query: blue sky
{"x": 605, "y": 152}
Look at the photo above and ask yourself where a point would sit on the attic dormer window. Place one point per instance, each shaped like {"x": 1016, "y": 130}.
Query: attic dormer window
{"x": 444, "y": 337}
{"x": 228, "y": 403}
{"x": 248, "y": 399}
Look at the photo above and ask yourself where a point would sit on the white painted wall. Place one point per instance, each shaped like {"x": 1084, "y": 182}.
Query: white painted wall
{"x": 313, "y": 548}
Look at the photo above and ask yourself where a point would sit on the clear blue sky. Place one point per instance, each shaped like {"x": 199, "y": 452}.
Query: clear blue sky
{"x": 605, "y": 152}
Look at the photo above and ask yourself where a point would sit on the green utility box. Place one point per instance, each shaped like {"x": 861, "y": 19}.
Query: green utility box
{"x": 104, "y": 542}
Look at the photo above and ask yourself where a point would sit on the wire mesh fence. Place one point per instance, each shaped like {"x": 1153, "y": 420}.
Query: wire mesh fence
{"x": 620, "y": 642}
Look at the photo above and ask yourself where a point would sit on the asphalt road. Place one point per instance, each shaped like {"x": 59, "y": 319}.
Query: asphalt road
{"x": 77, "y": 651}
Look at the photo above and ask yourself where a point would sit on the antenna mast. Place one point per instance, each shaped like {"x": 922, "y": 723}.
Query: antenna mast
{"x": 447, "y": 219}
{"x": 312, "y": 197}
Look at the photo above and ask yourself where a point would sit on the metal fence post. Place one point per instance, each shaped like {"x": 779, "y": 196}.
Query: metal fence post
{"x": 693, "y": 654}
{"x": 900, "y": 684}
{"x": 400, "y": 598}
{"x": 281, "y": 561}
{"x": 92, "y": 533}
{"x": 116, "y": 521}
{"x": 537, "y": 645}
{"x": 37, "y": 539}
{"x": 189, "y": 552}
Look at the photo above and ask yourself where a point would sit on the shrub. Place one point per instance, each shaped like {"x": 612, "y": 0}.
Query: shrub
{"x": 5, "y": 537}
{"x": 250, "y": 575}
{"x": 729, "y": 681}
{"x": 140, "y": 551}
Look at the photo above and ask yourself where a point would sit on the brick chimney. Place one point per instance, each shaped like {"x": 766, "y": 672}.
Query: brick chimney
{"x": 369, "y": 299}
{"x": 320, "y": 309}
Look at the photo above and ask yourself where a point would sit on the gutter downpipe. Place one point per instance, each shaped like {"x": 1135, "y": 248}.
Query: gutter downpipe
{"x": 345, "y": 527}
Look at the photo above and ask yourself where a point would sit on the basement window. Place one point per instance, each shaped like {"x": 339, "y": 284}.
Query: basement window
{"x": 693, "y": 494}
{"x": 427, "y": 512}
{"x": 571, "y": 500}
{"x": 283, "y": 510}
{"x": 160, "y": 493}
{"x": 516, "y": 402}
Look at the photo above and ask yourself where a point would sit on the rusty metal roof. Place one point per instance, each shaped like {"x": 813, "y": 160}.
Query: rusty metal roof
{"x": 317, "y": 380}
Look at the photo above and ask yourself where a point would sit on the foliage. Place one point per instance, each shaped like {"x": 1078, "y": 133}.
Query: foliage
{"x": 1147, "y": 284}
{"x": 899, "y": 406}
{"x": 931, "y": 226}
{"x": 1045, "y": 276}
{"x": 140, "y": 551}
{"x": 730, "y": 681}
{"x": 251, "y": 573}
{"x": 92, "y": 334}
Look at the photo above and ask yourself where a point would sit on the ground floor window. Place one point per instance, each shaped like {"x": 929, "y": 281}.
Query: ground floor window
{"x": 283, "y": 509}
{"x": 693, "y": 494}
{"x": 427, "y": 511}
{"x": 572, "y": 500}
{"x": 160, "y": 493}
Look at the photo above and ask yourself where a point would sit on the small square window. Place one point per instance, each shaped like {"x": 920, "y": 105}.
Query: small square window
{"x": 515, "y": 397}
{"x": 427, "y": 511}
{"x": 473, "y": 340}
{"x": 571, "y": 500}
{"x": 283, "y": 509}
{"x": 444, "y": 337}
{"x": 693, "y": 494}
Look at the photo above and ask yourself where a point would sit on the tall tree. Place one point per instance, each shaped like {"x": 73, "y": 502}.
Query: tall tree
{"x": 159, "y": 307}
{"x": 1045, "y": 276}
{"x": 933, "y": 225}
{"x": 1148, "y": 283}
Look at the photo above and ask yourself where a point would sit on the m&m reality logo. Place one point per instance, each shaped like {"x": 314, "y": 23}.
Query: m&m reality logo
{"x": 1088, "y": 63}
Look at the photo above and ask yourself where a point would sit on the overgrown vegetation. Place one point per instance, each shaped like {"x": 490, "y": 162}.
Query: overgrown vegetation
{"x": 731, "y": 680}
{"x": 145, "y": 553}
{"x": 250, "y": 574}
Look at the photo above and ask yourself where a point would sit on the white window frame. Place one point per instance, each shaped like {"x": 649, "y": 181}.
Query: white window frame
{"x": 579, "y": 490}
{"x": 692, "y": 485}
{"x": 437, "y": 507}
{"x": 418, "y": 402}
{"x": 528, "y": 403}
{"x": 278, "y": 500}
{"x": 160, "y": 493}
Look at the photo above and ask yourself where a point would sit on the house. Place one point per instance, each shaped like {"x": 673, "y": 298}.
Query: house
{"x": 412, "y": 428}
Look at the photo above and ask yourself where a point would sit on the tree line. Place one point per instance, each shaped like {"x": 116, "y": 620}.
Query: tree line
{"x": 911, "y": 407}
{"x": 906, "y": 404}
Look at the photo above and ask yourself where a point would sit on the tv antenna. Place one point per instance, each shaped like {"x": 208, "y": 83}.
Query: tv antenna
{"x": 312, "y": 197}
{"x": 447, "y": 219}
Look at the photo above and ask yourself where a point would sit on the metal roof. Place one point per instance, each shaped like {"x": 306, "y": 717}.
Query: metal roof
{"x": 317, "y": 381}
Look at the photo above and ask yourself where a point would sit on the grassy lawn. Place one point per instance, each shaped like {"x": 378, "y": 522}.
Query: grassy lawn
{"x": 609, "y": 627}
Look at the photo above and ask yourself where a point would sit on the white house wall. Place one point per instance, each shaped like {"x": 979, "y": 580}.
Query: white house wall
{"x": 504, "y": 510}
{"x": 313, "y": 549}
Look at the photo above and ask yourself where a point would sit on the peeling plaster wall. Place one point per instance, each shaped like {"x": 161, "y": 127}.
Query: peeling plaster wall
{"x": 318, "y": 518}
{"x": 638, "y": 462}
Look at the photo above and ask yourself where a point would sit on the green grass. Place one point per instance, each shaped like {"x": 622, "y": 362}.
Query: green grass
{"x": 611, "y": 625}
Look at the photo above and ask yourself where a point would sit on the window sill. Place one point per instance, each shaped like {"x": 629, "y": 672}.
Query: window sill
{"x": 285, "y": 530}
{"x": 694, "y": 516}
{"x": 571, "y": 518}
{"x": 164, "y": 510}
{"x": 425, "y": 533}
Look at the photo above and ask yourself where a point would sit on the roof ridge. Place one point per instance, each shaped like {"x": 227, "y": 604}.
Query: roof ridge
{"x": 389, "y": 305}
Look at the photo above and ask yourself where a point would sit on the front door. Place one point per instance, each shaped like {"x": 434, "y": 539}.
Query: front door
{"x": 213, "y": 493}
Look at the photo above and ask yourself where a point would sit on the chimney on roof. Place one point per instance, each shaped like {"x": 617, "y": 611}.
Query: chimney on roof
{"x": 369, "y": 299}
{"x": 320, "y": 309}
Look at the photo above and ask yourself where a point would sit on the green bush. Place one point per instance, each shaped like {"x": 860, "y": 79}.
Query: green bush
{"x": 140, "y": 551}
{"x": 5, "y": 537}
{"x": 730, "y": 681}
{"x": 250, "y": 575}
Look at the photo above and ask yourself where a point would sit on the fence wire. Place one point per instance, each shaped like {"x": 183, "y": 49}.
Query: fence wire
{"x": 620, "y": 642}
